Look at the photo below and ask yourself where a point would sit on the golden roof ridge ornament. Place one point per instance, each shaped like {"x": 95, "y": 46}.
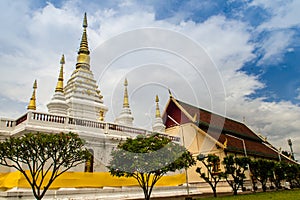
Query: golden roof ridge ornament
{"x": 125, "y": 100}
{"x": 83, "y": 58}
{"x": 170, "y": 93}
{"x": 32, "y": 102}
{"x": 60, "y": 82}
{"x": 157, "y": 111}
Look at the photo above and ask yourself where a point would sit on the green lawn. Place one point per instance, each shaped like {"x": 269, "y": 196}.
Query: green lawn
{"x": 284, "y": 194}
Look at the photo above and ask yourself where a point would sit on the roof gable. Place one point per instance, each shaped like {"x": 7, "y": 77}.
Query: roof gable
{"x": 215, "y": 121}
{"x": 237, "y": 136}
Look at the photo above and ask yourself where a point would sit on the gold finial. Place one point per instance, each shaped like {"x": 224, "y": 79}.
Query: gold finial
{"x": 125, "y": 101}
{"x": 84, "y": 42}
{"x": 85, "y": 24}
{"x": 32, "y": 102}
{"x": 157, "y": 111}
{"x": 62, "y": 60}
{"x": 83, "y": 58}
{"x": 60, "y": 82}
{"x": 225, "y": 143}
{"x": 35, "y": 84}
{"x": 170, "y": 93}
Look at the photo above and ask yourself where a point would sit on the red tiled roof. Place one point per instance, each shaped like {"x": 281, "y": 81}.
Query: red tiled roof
{"x": 220, "y": 128}
{"x": 226, "y": 124}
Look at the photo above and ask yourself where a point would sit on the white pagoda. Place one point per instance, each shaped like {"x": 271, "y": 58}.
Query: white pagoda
{"x": 78, "y": 107}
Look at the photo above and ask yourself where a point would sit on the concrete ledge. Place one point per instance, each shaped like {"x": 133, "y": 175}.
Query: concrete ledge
{"x": 107, "y": 193}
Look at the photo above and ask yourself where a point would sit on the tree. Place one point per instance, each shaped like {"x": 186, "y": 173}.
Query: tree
{"x": 147, "y": 159}
{"x": 279, "y": 173}
{"x": 235, "y": 171}
{"x": 293, "y": 174}
{"x": 261, "y": 170}
{"x": 213, "y": 174}
{"x": 41, "y": 158}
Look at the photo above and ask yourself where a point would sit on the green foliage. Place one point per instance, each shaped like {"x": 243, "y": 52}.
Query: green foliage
{"x": 261, "y": 170}
{"x": 212, "y": 175}
{"x": 235, "y": 171}
{"x": 45, "y": 156}
{"x": 147, "y": 159}
{"x": 279, "y": 173}
{"x": 293, "y": 174}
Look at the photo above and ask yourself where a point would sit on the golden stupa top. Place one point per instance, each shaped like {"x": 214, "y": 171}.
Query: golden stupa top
{"x": 60, "y": 82}
{"x": 32, "y": 102}
{"x": 83, "y": 58}
{"x": 125, "y": 100}
{"x": 84, "y": 42}
{"x": 157, "y": 111}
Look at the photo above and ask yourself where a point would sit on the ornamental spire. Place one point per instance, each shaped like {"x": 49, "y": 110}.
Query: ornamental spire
{"x": 84, "y": 48}
{"x": 58, "y": 104}
{"x": 60, "y": 82}
{"x": 83, "y": 58}
{"x": 158, "y": 125}
{"x": 125, "y": 101}
{"x": 157, "y": 111}
{"x": 32, "y": 102}
{"x": 125, "y": 117}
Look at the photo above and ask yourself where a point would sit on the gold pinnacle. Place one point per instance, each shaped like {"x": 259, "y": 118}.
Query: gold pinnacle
{"x": 84, "y": 42}
{"x": 125, "y": 101}
{"x": 32, "y": 102}
{"x": 157, "y": 112}
{"x": 60, "y": 82}
{"x": 62, "y": 60}
{"x": 85, "y": 24}
{"x": 83, "y": 58}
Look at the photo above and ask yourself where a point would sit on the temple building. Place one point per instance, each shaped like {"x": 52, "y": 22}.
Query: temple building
{"x": 202, "y": 131}
{"x": 78, "y": 107}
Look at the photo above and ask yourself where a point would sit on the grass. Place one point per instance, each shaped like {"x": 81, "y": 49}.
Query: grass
{"x": 284, "y": 194}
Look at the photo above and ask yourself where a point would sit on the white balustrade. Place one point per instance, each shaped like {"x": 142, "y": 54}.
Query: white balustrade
{"x": 48, "y": 119}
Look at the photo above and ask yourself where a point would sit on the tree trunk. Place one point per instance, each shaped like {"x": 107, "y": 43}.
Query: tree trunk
{"x": 214, "y": 191}
{"x": 37, "y": 194}
{"x": 264, "y": 187}
{"x": 146, "y": 195}
{"x": 234, "y": 191}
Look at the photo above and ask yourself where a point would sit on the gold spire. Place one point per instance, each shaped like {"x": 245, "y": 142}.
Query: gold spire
{"x": 60, "y": 82}
{"x": 83, "y": 58}
{"x": 32, "y": 103}
{"x": 84, "y": 43}
{"x": 125, "y": 101}
{"x": 85, "y": 24}
{"x": 157, "y": 112}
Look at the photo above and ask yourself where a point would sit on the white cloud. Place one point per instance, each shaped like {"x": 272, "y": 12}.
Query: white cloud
{"x": 275, "y": 46}
{"x": 298, "y": 93}
{"x": 285, "y": 14}
{"x": 284, "y": 17}
{"x": 33, "y": 46}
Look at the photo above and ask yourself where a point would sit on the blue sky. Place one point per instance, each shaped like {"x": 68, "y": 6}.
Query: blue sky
{"x": 283, "y": 67}
{"x": 254, "y": 45}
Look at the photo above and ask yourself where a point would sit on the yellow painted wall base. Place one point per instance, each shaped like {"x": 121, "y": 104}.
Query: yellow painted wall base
{"x": 85, "y": 180}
